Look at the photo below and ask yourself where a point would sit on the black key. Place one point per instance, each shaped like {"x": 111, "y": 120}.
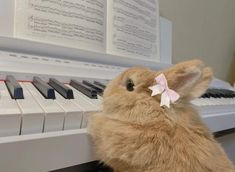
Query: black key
{"x": 218, "y": 92}
{"x": 100, "y": 84}
{"x": 233, "y": 94}
{"x": 222, "y": 92}
{"x": 61, "y": 88}
{"x": 14, "y": 88}
{"x": 227, "y": 93}
{"x": 46, "y": 90}
{"x": 213, "y": 93}
{"x": 88, "y": 91}
{"x": 208, "y": 91}
{"x": 205, "y": 95}
{"x": 98, "y": 88}
{"x": 101, "y": 94}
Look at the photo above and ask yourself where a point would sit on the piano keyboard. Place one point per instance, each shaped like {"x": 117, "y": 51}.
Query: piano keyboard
{"x": 217, "y": 108}
{"x": 36, "y": 107}
{"x": 216, "y": 98}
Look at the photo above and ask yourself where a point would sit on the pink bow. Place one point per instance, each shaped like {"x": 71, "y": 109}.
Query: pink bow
{"x": 168, "y": 95}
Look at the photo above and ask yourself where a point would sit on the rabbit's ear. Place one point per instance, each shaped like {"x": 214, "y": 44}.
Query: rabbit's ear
{"x": 189, "y": 79}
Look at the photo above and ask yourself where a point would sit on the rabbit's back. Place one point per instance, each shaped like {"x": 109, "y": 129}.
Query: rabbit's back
{"x": 157, "y": 147}
{"x": 135, "y": 132}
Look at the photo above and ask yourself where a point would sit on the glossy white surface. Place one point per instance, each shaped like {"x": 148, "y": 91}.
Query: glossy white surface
{"x": 32, "y": 113}
{"x": 74, "y": 113}
{"x": 54, "y": 114}
{"x": 10, "y": 114}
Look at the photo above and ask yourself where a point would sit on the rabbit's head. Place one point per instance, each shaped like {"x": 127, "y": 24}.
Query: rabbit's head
{"x": 128, "y": 97}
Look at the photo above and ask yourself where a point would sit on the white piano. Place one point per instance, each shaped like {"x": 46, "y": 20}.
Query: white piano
{"x": 39, "y": 134}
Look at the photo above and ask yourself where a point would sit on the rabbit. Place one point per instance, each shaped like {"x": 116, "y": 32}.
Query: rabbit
{"x": 133, "y": 133}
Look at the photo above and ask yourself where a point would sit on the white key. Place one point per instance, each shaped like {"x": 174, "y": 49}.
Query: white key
{"x": 88, "y": 107}
{"x": 32, "y": 113}
{"x": 10, "y": 115}
{"x": 54, "y": 114}
{"x": 96, "y": 102}
{"x": 73, "y": 117}
{"x": 197, "y": 102}
{"x": 213, "y": 101}
{"x": 214, "y": 105}
{"x": 202, "y": 102}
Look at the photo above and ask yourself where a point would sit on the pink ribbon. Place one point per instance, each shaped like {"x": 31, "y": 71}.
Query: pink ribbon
{"x": 168, "y": 95}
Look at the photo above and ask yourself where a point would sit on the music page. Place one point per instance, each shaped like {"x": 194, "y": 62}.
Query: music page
{"x": 72, "y": 23}
{"x": 133, "y": 28}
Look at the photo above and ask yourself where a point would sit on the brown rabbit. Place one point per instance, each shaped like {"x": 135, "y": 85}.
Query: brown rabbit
{"x": 133, "y": 133}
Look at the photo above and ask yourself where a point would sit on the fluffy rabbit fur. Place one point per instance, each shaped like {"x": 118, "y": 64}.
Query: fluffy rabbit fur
{"x": 134, "y": 134}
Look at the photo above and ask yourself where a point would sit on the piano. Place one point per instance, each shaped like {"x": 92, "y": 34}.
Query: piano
{"x": 47, "y": 94}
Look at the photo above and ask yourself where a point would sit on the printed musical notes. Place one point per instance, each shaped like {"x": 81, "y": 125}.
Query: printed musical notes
{"x": 79, "y": 24}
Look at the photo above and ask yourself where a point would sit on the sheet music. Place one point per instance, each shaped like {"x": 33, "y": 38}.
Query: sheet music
{"x": 134, "y": 28}
{"x": 79, "y": 24}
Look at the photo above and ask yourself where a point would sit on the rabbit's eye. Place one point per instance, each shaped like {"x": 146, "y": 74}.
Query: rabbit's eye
{"x": 130, "y": 85}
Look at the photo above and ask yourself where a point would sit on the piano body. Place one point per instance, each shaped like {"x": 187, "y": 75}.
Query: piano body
{"x": 39, "y": 134}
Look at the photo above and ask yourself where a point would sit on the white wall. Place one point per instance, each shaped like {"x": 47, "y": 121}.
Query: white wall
{"x": 203, "y": 29}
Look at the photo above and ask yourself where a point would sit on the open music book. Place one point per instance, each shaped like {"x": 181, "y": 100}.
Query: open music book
{"x": 124, "y": 28}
